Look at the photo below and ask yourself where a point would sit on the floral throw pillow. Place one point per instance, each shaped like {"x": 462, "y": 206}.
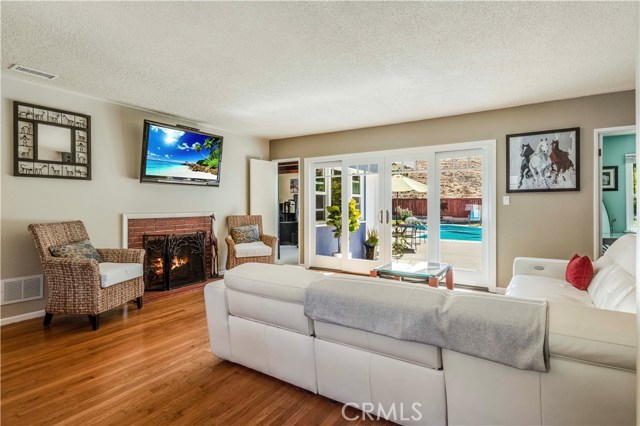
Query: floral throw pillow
{"x": 79, "y": 250}
{"x": 245, "y": 234}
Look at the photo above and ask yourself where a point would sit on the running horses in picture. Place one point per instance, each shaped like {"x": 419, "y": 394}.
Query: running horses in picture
{"x": 543, "y": 161}
{"x": 560, "y": 161}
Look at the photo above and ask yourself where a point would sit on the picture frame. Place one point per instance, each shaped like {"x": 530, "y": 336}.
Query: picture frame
{"x": 609, "y": 178}
{"x": 51, "y": 143}
{"x": 543, "y": 161}
{"x": 293, "y": 185}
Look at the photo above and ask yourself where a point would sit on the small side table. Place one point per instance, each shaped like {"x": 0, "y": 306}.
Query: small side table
{"x": 411, "y": 270}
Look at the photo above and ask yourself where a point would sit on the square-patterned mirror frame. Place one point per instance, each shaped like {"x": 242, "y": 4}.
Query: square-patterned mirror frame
{"x": 75, "y": 164}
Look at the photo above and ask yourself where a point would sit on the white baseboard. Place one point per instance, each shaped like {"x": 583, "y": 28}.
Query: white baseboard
{"x": 22, "y": 317}
{"x": 500, "y": 290}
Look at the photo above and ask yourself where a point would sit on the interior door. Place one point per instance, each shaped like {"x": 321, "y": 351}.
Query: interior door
{"x": 263, "y": 193}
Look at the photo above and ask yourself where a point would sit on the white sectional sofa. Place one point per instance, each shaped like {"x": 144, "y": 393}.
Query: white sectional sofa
{"x": 256, "y": 318}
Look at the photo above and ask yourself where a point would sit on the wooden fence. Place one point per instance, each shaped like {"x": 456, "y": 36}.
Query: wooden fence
{"x": 454, "y": 207}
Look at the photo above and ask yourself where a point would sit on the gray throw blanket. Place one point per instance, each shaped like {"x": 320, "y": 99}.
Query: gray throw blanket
{"x": 507, "y": 330}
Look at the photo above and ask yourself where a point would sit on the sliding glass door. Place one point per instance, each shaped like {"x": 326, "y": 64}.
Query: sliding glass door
{"x": 438, "y": 201}
{"x": 462, "y": 189}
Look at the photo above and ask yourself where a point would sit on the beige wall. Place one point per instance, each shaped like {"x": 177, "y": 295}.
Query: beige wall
{"x": 114, "y": 189}
{"x": 553, "y": 225}
{"x": 284, "y": 186}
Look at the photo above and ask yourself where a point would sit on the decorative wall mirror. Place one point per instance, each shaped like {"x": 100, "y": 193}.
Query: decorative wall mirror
{"x": 51, "y": 143}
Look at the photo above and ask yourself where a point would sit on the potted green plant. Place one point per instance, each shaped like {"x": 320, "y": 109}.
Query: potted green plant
{"x": 371, "y": 243}
{"x": 334, "y": 218}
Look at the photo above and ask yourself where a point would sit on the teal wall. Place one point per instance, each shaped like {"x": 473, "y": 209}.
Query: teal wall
{"x": 613, "y": 150}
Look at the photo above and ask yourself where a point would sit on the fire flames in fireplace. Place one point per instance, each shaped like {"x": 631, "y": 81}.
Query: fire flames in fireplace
{"x": 183, "y": 253}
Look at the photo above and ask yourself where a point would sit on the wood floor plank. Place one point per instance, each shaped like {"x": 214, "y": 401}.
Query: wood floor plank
{"x": 142, "y": 367}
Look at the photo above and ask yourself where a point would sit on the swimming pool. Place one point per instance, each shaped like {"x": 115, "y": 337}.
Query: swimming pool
{"x": 459, "y": 232}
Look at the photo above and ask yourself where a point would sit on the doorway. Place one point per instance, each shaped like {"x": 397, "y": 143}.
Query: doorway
{"x": 339, "y": 241}
{"x": 288, "y": 212}
{"x": 431, "y": 204}
{"x": 615, "y": 190}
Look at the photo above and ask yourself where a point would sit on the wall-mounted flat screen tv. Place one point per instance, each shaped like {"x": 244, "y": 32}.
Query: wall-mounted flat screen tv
{"x": 177, "y": 154}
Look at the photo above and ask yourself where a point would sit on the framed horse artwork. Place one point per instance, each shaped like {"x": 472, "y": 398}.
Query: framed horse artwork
{"x": 546, "y": 161}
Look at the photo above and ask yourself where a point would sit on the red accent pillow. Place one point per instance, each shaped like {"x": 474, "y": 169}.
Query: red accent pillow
{"x": 579, "y": 272}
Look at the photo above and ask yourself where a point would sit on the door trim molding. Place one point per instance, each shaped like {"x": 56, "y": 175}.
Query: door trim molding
{"x": 598, "y": 137}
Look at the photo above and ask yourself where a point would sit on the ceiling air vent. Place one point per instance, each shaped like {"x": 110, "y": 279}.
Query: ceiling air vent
{"x": 33, "y": 72}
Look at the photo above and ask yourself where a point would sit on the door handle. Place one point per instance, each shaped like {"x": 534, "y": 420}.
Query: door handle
{"x": 381, "y": 221}
{"x": 387, "y": 216}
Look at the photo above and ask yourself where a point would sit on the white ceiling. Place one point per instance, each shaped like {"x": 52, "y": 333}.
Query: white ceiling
{"x": 294, "y": 68}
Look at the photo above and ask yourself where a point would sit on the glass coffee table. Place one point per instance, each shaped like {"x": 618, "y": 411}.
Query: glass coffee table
{"x": 415, "y": 270}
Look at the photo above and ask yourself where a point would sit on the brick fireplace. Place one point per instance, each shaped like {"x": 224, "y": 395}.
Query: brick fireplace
{"x": 165, "y": 267}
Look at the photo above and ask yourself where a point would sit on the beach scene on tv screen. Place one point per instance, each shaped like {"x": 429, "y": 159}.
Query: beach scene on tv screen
{"x": 179, "y": 153}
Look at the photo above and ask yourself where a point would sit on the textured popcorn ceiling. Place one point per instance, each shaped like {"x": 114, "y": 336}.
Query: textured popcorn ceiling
{"x": 286, "y": 69}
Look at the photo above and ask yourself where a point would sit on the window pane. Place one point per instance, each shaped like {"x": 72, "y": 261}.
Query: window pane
{"x": 320, "y": 215}
{"x": 320, "y": 203}
{"x": 320, "y": 185}
{"x": 336, "y": 191}
{"x": 475, "y": 162}
{"x": 355, "y": 185}
{"x": 461, "y": 163}
{"x": 446, "y": 163}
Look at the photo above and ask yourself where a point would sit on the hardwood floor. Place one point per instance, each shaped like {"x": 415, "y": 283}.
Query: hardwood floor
{"x": 147, "y": 367}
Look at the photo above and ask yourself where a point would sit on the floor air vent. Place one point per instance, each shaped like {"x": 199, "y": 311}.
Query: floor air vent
{"x": 33, "y": 72}
{"x": 16, "y": 290}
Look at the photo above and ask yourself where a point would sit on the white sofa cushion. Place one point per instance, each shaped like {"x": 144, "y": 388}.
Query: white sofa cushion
{"x": 115, "y": 273}
{"x": 282, "y": 282}
{"x": 622, "y": 253}
{"x": 283, "y": 314}
{"x": 551, "y": 289}
{"x": 254, "y": 249}
{"x": 414, "y": 352}
{"x": 613, "y": 288}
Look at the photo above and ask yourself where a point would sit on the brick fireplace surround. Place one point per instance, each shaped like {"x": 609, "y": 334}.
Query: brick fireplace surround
{"x": 137, "y": 227}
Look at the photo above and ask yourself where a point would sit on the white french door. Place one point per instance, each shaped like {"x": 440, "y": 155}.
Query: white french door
{"x": 337, "y": 240}
{"x": 433, "y": 204}
{"x": 462, "y": 194}
{"x": 439, "y": 201}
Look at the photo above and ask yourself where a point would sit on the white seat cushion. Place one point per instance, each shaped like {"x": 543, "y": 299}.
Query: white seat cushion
{"x": 551, "y": 289}
{"x": 254, "y": 249}
{"x": 114, "y": 273}
{"x": 282, "y": 282}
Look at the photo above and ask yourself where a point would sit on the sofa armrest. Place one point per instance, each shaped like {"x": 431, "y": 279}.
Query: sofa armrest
{"x": 122, "y": 255}
{"x": 592, "y": 335}
{"x": 551, "y": 268}
{"x": 217, "y": 310}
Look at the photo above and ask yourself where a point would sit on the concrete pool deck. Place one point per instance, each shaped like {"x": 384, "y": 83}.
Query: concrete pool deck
{"x": 461, "y": 254}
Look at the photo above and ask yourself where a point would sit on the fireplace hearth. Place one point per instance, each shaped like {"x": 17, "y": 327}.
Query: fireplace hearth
{"x": 174, "y": 260}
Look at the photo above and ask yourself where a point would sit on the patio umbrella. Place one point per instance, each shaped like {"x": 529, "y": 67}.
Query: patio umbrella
{"x": 400, "y": 183}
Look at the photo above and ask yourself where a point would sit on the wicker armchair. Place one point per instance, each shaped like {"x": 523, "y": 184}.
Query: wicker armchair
{"x": 74, "y": 284}
{"x": 269, "y": 240}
